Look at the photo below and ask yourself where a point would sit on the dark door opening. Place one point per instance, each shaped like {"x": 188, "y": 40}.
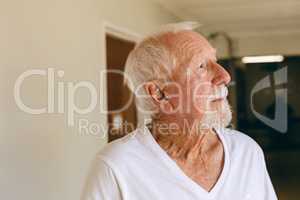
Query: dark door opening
{"x": 121, "y": 122}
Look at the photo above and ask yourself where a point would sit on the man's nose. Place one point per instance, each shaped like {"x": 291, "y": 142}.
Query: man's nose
{"x": 221, "y": 76}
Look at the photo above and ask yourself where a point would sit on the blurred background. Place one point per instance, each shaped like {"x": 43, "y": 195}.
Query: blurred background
{"x": 45, "y": 156}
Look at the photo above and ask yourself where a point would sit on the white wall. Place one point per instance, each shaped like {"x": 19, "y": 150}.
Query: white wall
{"x": 40, "y": 156}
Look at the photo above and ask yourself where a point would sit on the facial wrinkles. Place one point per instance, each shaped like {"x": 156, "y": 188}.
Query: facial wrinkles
{"x": 191, "y": 50}
{"x": 188, "y": 51}
{"x": 184, "y": 44}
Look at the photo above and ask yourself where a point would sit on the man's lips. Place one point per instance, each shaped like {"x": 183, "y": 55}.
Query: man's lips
{"x": 219, "y": 99}
{"x": 220, "y": 95}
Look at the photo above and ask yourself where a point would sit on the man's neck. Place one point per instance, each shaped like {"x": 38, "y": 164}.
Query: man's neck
{"x": 200, "y": 156}
{"x": 182, "y": 144}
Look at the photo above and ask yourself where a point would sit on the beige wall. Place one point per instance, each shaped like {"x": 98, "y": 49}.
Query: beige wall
{"x": 284, "y": 43}
{"x": 41, "y": 157}
{"x": 276, "y": 43}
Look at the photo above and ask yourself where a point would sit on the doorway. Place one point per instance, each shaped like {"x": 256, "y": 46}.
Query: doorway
{"x": 124, "y": 121}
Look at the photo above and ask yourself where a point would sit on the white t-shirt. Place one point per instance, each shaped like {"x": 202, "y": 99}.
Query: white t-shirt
{"x": 135, "y": 167}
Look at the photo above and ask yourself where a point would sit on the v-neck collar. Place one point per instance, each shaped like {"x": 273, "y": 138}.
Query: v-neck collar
{"x": 149, "y": 140}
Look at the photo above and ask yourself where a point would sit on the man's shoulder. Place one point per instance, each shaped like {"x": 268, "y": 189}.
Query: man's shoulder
{"x": 120, "y": 149}
{"x": 241, "y": 141}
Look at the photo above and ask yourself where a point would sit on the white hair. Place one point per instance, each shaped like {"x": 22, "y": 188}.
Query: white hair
{"x": 152, "y": 60}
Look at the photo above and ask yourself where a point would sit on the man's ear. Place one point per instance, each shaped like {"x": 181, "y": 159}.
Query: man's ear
{"x": 158, "y": 96}
{"x": 153, "y": 90}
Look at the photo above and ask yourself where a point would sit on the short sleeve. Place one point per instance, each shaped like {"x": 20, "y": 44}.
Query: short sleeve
{"x": 268, "y": 189}
{"x": 101, "y": 183}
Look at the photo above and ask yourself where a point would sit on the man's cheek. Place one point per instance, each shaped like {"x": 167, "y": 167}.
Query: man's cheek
{"x": 202, "y": 104}
{"x": 202, "y": 90}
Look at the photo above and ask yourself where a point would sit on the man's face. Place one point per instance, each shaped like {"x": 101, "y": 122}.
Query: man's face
{"x": 199, "y": 91}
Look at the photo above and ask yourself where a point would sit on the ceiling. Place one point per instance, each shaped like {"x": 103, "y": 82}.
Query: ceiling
{"x": 240, "y": 17}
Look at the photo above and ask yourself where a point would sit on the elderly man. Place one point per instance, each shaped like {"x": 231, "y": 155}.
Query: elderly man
{"x": 185, "y": 153}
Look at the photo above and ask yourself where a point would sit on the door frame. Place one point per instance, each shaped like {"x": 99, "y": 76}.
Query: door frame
{"x": 122, "y": 34}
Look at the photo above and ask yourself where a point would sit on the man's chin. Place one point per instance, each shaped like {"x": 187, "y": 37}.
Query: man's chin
{"x": 218, "y": 119}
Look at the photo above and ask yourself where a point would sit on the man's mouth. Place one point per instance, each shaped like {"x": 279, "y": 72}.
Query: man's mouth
{"x": 220, "y": 95}
{"x": 218, "y": 99}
